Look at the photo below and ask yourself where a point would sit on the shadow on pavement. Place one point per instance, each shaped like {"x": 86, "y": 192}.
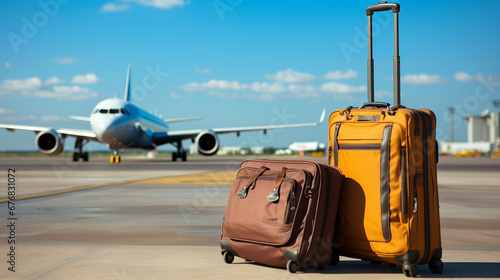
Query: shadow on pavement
{"x": 451, "y": 269}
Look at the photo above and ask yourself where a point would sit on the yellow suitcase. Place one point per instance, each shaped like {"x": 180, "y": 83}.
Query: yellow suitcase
{"x": 389, "y": 209}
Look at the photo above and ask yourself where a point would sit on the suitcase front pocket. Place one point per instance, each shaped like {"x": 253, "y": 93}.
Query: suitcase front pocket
{"x": 363, "y": 155}
{"x": 265, "y": 215}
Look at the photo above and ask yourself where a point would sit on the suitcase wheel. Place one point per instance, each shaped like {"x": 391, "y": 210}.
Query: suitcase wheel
{"x": 436, "y": 266}
{"x": 410, "y": 270}
{"x": 228, "y": 257}
{"x": 335, "y": 257}
{"x": 292, "y": 266}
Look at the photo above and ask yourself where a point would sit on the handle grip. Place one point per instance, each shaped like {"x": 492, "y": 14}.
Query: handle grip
{"x": 375, "y": 104}
{"x": 382, "y": 6}
{"x": 244, "y": 191}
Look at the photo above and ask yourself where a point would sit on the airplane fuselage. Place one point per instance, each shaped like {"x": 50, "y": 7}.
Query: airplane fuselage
{"x": 121, "y": 124}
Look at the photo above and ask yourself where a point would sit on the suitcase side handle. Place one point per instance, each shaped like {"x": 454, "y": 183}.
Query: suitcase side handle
{"x": 244, "y": 191}
{"x": 275, "y": 193}
{"x": 384, "y": 6}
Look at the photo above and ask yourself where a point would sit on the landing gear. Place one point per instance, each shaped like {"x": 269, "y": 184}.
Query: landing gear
{"x": 79, "y": 154}
{"x": 180, "y": 154}
{"x": 115, "y": 158}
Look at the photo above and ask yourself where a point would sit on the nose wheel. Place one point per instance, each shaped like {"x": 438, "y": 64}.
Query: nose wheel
{"x": 115, "y": 158}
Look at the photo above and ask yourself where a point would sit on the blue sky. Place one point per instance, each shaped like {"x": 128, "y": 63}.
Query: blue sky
{"x": 239, "y": 62}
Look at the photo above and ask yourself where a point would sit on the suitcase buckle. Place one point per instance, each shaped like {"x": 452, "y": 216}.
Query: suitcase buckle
{"x": 274, "y": 196}
{"x": 243, "y": 193}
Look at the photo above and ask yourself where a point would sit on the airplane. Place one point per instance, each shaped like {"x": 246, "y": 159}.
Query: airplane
{"x": 122, "y": 125}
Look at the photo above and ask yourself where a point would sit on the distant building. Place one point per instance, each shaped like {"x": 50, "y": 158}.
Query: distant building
{"x": 483, "y": 135}
{"x": 483, "y": 128}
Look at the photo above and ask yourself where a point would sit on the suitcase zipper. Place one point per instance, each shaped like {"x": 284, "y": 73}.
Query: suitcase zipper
{"x": 291, "y": 204}
{"x": 307, "y": 181}
{"x": 426, "y": 132}
{"x": 427, "y": 218}
{"x": 368, "y": 146}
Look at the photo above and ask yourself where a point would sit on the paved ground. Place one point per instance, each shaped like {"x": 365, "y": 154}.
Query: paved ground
{"x": 154, "y": 219}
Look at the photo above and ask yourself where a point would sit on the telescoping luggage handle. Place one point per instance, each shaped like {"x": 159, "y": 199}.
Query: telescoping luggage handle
{"x": 384, "y": 6}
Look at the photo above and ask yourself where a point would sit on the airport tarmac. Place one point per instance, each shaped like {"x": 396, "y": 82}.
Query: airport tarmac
{"x": 157, "y": 219}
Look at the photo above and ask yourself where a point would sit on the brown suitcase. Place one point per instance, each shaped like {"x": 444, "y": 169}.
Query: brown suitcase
{"x": 282, "y": 213}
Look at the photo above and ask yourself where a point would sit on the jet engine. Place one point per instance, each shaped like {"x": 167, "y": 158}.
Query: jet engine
{"x": 207, "y": 142}
{"x": 49, "y": 142}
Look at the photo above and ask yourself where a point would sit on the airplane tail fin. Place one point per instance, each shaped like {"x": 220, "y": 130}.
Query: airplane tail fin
{"x": 127, "y": 85}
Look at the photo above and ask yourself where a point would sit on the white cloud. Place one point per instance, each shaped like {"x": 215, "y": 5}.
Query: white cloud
{"x": 204, "y": 71}
{"x": 50, "y": 118}
{"x": 86, "y": 79}
{"x": 336, "y": 88}
{"x": 34, "y": 87}
{"x": 123, "y": 5}
{"x": 66, "y": 60}
{"x": 64, "y": 93}
{"x": 20, "y": 85}
{"x": 214, "y": 84}
{"x": 290, "y": 76}
{"x": 115, "y": 7}
{"x": 161, "y": 4}
{"x": 8, "y": 65}
{"x": 14, "y": 118}
{"x": 423, "y": 79}
{"x": 383, "y": 94}
{"x": 339, "y": 75}
{"x": 7, "y": 115}
{"x": 464, "y": 77}
{"x": 266, "y": 87}
{"x": 241, "y": 95}
{"x": 4, "y": 111}
{"x": 174, "y": 95}
{"x": 303, "y": 91}
{"x": 54, "y": 80}
{"x": 235, "y": 86}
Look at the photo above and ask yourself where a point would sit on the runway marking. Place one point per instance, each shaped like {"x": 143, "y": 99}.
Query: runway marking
{"x": 69, "y": 190}
{"x": 206, "y": 178}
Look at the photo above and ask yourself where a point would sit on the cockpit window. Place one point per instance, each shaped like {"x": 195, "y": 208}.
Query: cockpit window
{"x": 103, "y": 111}
{"x": 95, "y": 111}
{"x": 125, "y": 112}
{"x": 114, "y": 111}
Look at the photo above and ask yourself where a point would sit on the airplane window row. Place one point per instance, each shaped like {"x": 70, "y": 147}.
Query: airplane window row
{"x": 111, "y": 111}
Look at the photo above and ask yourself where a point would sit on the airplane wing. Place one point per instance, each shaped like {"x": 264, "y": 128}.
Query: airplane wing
{"x": 79, "y": 118}
{"x": 160, "y": 138}
{"x": 84, "y": 134}
{"x": 181, "y": 120}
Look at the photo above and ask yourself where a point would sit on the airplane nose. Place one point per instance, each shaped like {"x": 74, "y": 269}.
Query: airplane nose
{"x": 104, "y": 129}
